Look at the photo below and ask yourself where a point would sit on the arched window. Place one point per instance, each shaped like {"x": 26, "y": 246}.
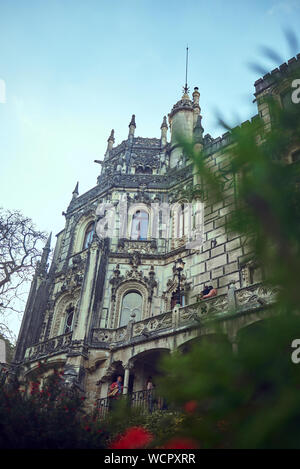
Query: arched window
{"x": 69, "y": 318}
{"x": 131, "y": 308}
{"x": 139, "y": 227}
{"x": 88, "y": 237}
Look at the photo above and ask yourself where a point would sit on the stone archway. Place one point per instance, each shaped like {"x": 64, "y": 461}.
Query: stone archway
{"x": 60, "y": 309}
{"x": 145, "y": 364}
{"x": 144, "y": 368}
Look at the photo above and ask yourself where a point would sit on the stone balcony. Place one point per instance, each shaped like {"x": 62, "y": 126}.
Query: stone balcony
{"x": 235, "y": 303}
{"x": 51, "y": 346}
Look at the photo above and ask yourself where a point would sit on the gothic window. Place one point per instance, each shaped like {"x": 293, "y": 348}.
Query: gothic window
{"x": 139, "y": 227}
{"x": 69, "y": 318}
{"x": 131, "y": 308}
{"x": 88, "y": 237}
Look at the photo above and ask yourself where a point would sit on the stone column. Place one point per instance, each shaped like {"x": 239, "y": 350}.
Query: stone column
{"x": 126, "y": 379}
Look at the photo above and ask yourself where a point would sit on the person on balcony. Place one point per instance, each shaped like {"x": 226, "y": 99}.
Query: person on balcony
{"x": 149, "y": 393}
{"x": 211, "y": 292}
{"x": 115, "y": 390}
{"x": 205, "y": 291}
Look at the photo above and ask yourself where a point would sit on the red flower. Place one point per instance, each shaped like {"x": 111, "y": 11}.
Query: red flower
{"x": 87, "y": 428}
{"x": 181, "y": 443}
{"x": 133, "y": 438}
{"x": 190, "y": 406}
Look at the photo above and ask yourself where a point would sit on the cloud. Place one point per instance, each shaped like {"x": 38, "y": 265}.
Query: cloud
{"x": 284, "y": 7}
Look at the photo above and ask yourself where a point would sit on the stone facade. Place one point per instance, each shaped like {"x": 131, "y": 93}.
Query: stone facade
{"x": 73, "y": 318}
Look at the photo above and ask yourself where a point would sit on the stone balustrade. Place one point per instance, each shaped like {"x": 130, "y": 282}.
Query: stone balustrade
{"x": 235, "y": 301}
{"x": 53, "y": 345}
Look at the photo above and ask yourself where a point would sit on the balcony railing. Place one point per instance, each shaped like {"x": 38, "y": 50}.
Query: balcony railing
{"x": 53, "y": 345}
{"x": 147, "y": 401}
{"x": 240, "y": 300}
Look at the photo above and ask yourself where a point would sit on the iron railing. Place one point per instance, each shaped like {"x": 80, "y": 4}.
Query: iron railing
{"x": 146, "y": 401}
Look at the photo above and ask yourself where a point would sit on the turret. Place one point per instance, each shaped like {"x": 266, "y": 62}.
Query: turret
{"x": 181, "y": 121}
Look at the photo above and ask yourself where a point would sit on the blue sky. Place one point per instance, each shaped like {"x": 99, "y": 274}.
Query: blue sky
{"x": 75, "y": 69}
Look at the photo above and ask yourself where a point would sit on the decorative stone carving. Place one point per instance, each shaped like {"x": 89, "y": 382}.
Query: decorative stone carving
{"x": 258, "y": 294}
{"x": 163, "y": 321}
{"x": 211, "y": 306}
{"x": 144, "y": 247}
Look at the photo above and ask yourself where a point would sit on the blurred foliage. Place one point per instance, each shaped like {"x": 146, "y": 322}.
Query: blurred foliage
{"x": 162, "y": 424}
{"x": 251, "y": 399}
{"x": 245, "y": 400}
{"x": 46, "y": 417}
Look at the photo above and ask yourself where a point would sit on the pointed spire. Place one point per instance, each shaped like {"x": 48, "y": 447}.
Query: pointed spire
{"x": 48, "y": 244}
{"x": 186, "y": 88}
{"x": 132, "y": 126}
{"x": 110, "y": 143}
{"x": 198, "y": 132}
{"x": 111, "y": 138}
{"x": 42, "y": 267}
{"x": 75, "y": 192}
